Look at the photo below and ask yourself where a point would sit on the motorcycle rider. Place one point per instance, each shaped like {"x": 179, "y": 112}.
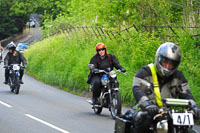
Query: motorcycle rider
{"x": 101, "y": 60}
{"x": 1, "y": 49}
{"x": 13, "y": 57}
{"x": 171, "y": 84}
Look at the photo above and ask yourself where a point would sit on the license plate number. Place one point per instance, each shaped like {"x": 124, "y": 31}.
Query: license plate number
{"x": 183, "y": 119}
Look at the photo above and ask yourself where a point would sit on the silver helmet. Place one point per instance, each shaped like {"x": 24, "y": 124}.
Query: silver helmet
{"x": 11, "y": 45}
{"x": 168, "y": 57}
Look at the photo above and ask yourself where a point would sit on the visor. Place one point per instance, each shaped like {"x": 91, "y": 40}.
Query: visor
{"x": 168, "y": 63}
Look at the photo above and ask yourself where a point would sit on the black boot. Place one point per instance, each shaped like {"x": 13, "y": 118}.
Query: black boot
{"x": 21, "y": 82}
{"x": 94, "y": 101}
{"x": 6, "y": 81}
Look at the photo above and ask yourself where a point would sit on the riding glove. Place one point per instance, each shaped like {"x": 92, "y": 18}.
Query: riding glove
{"x": 123, "y": 70}
{"x": 151, "y": 108}
{"x": 196, "y": 110}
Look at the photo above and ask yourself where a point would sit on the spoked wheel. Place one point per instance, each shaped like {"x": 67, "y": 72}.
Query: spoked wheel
{"x": 17, "y": 86}
{"x": 116, "y": 106}
{"x": 16, "y": 90}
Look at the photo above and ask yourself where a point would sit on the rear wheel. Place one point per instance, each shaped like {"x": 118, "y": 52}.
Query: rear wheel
{"x": 116, "y": 106}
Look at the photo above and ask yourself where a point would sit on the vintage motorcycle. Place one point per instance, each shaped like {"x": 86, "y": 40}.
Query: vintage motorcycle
{"x": 176, "y": 116}
{"x": 13, "y": 80}
{"x": 110, "y": 97}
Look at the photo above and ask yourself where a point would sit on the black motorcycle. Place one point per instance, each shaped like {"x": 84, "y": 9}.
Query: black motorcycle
{"x": 176, "y": 116}
{"x": 13, "y": 80}
{"x": 110, "y": 97}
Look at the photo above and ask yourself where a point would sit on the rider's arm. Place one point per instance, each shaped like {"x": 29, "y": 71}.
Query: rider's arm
{"x": 184, "y": 89}
{"x": 6, "y": 60}
{"x": 138, "y": 88}
{"x": 23, "y": 59}
{"x": 94, "y": 60}
{"x": 115, "y": 62}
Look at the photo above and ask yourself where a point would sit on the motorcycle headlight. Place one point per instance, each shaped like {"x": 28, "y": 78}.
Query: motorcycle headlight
{"x": 162, "y": 126}
{"x": 104, "y": 79}
{"x": 113, "y": 74}
{"x": 16, "y": 67}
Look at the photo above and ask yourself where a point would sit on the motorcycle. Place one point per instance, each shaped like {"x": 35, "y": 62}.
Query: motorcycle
{"x": 110, "y": 97}
{"x": 176, "y": 116}
{"x": 13, "y": 80}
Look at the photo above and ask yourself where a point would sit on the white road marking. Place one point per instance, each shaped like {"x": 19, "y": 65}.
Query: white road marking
{"x": 5, "y": 104}
{"x": 46, "y": 123}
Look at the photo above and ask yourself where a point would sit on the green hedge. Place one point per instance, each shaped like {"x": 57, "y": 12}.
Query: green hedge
{"x": 62, "y": 60}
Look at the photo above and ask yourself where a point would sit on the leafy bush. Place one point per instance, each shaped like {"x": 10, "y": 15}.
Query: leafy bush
{"x": 62, "y": 60}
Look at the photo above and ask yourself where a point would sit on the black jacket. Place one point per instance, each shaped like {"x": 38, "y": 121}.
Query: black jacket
{"x": 175, "y": 86}
{"x": 103, "y": 64}
{"x": 14, "y": 59}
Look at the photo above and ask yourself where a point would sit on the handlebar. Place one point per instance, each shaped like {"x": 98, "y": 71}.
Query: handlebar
{"x": 9, "y": 66}
{"x": 103, "y": 71}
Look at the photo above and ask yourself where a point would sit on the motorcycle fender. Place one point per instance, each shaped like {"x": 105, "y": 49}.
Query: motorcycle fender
{"x": 17, "y": 74}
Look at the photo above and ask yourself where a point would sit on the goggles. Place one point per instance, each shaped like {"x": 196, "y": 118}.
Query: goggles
{"x": 168, "y": 63}
{"x": 102, "y": 49}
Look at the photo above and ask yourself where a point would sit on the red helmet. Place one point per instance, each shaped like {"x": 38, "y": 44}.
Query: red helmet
{"x": 100, "y": 46}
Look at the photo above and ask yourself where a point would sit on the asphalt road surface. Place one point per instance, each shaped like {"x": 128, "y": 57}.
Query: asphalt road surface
{"x": 40, "y": 108}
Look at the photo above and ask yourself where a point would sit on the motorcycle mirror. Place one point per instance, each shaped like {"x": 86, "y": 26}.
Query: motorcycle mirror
{"x": 91, "y": 66}
{"x": 108, "y": 69}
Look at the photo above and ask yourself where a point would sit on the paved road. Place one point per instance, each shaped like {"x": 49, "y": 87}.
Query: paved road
{"x": 40, "y": 108}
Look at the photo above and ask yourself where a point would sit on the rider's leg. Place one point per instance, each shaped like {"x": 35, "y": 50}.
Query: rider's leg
{"x": 21, "y": 75}
{"x": 96, "y": 87}
{"x": 6, "y": 76}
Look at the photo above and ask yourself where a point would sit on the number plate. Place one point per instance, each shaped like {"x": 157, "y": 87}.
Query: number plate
{"x": 183, "y": 119}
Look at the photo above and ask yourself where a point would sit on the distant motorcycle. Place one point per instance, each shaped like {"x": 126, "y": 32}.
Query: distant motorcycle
{"x": 110, "y": 96}
{"x": 13, "y": 80}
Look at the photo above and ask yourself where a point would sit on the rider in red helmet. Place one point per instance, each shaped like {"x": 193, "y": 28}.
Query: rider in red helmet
{"x": 101, "y": 60}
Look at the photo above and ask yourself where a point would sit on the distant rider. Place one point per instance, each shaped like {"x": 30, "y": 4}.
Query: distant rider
{"x": 13, "y": 57}
{"x": 172, "y": 84}
{"x": 102, "y": 60}
{"x": 1, "y": 50}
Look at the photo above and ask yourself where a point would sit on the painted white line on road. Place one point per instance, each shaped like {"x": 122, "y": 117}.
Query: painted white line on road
{"x": 5, "y": 104}
{"x": 46, "y": 123}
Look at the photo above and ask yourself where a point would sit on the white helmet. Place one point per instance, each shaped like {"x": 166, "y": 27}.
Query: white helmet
{"x": 11, "y": 45}
{"x": 168, "y": 57}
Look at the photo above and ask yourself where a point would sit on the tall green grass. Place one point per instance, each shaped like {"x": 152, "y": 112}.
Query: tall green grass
{"x": 62, "y": 60}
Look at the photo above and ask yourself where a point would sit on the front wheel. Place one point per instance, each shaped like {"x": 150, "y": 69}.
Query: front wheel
{"x": 116, "y": 106}
{"x": 17, "y": 86}
{"x": 97, "y": 110}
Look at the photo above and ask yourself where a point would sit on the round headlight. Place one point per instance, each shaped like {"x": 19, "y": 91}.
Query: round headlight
{"x": 104, "y": 79}
{"x": 113, "y": 74}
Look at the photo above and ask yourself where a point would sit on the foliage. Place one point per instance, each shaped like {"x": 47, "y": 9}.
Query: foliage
{"x": 14, "y": 15}
{"x": 62, "y": 60}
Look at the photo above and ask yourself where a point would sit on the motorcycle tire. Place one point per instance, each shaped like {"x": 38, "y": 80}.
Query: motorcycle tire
{"x": 17, "y": 86}
{"x": 97, "y": 110}
{"x": 16, "y": 90}
{"x": 116, "y": 106}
